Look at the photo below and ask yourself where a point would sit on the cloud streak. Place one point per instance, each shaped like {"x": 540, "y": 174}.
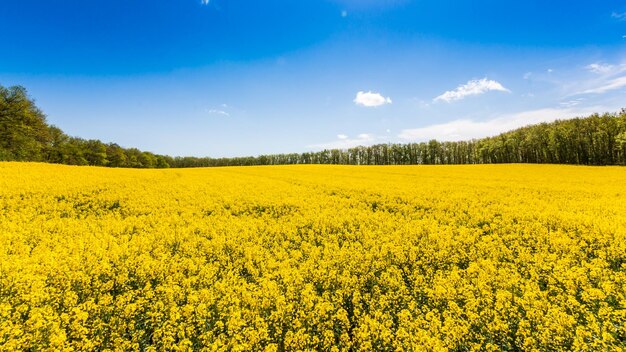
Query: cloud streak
{"x": 218, "y": 112}
{"x": 619, "y": 16}
{"x": 473, "y": 87}
{"x": 610, "y": 77}
{"x": 600, "y": 68}
{"x": 466, "y": 129}
{"x": 370, "y": 99}
{"x": 345, "y": 142}
{"x": 612, "y": 84}
{"x": 606, "y": 78}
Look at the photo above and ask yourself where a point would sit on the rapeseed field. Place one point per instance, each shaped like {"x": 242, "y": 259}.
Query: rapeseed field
{"x": 313, "y": 258}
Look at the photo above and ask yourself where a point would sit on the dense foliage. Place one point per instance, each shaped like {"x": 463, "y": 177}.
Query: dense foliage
{"x": 26, "y": 136}
{"x": 594, "y": 140}
{"x": 317, "y": 258}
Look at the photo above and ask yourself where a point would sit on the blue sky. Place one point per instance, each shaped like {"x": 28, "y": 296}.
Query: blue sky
{"x": 233, "y": 78}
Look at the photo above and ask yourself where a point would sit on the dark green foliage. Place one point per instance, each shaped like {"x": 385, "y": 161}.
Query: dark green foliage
{"x": 25, "y": 136}
{"x": 24, "y": 133}
{"x": 594, "y": 140}
{"x": 116, "y": 156}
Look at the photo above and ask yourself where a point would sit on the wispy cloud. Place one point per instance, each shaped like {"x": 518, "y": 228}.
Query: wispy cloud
{"x": 345, "y": 142}
{"x": 218, "y": 112}
{"x": 473, "y": 87}
{"x": 600, "y": 68}
{"x": 619, "y": 16}
{"x": 572, "y": 103}
{"x": 612, "y": 84}
{"x": 205, "y": 2}
{"x": 607, "y": 77}
{"x": 370, "y": 99}
{"x": 466, "y": 129}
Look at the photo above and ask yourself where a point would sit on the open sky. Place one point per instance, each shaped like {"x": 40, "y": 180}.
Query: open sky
{"x": 233, "y": 77}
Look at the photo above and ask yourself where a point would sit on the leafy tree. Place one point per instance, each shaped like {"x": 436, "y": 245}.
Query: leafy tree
{"x": 594, "y": 140}
{"x": 24, "y": 132}
{"x": 116, "y": 156}
{"x": 96, "y": 153}
{"x": 147, "y": 160}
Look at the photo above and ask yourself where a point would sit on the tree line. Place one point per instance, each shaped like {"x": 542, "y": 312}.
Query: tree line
{"x": 594, "y": 140}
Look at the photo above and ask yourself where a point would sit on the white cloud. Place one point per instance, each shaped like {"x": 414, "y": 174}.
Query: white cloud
{"x": 344, "y": 143}
{"x": 527, "y": 75}
{"x": 606, "y": 69}
{"x": 619, "y": 16}
{"x": 370, "y": 99}
{"x": 344, "y": 13}
{"x": 571, "y": 103}
{"x": 218, "y": 112}
{"x": 205, "y": 2}
{"x": 473, "y": 87}
{"x": 600, "y": 68}
{"x": 612, "y": 84}
{"x": 466, "y": 129}
{"x": 608, "y": 77}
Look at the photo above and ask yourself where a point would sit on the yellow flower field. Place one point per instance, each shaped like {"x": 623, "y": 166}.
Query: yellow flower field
{"x": 330, "y": 258}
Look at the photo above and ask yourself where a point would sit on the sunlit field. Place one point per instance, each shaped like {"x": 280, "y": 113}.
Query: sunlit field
{"x": 288, "y": 258}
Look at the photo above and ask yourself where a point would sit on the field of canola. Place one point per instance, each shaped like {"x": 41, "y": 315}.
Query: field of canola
{"x": 328, "y": 258}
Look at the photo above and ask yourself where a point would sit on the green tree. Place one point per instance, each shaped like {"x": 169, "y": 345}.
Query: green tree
{"x": 95, "y": 153}
{"x": 116, "y": 156}
{"x": 24, "y": 132}
{"x": 147, "y": 160}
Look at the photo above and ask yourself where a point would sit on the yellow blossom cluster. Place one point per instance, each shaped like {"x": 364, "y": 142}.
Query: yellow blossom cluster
{"x": 313, "y": 258}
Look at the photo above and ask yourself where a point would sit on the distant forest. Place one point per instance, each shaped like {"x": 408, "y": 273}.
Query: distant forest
{"x": 594, "y": 140}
